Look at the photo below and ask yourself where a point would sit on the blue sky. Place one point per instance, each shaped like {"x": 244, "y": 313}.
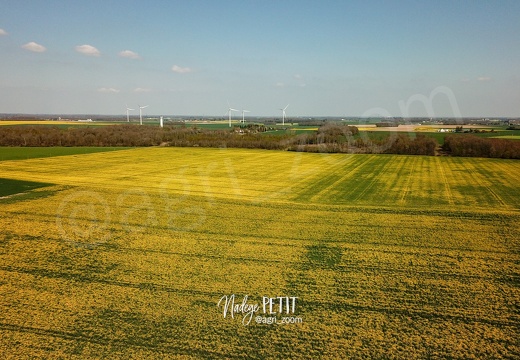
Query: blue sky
{"x": 324, "y": 58}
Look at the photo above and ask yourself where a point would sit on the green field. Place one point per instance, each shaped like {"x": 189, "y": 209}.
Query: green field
{"x": 498, "y": 134}
{"x": 24, "y": 153}
{"x": 60, "y": 124}
{"x": 126, "y": 254}
{"x": 506, "y": 136}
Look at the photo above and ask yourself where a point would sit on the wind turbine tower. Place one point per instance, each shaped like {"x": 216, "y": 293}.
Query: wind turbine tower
{"x": 161, "y": 121}
{"x": 127, "y": 115}
{"x": 243, "y": 118}
{"x": 283, "y": 114}
{"x": 141, "y": 113}
{"x": 229, "y": 112}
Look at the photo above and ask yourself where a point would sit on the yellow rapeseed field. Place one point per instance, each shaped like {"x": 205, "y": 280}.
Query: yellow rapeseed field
{"x": 52, "y": 122}
{"x": 127, "y": 255}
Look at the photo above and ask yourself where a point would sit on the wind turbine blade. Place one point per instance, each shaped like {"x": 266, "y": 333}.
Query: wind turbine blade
{"x": 285, "y": 108}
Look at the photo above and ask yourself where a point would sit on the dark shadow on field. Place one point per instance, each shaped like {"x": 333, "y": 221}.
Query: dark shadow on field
{"x": 11, "y": 186}
{"x": 30, "y": 195}
{"x": 323, "y": 256}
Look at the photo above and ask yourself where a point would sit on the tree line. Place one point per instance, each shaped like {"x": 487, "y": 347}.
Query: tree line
{"x": 135, "y": 135}
{"x": 329, "y": 138}
{"x": 334, "y": 138}
{"x": 474, "y": 146}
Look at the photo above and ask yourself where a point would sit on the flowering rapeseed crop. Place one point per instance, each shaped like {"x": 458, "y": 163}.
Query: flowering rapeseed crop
{"x": 127, "y": 254}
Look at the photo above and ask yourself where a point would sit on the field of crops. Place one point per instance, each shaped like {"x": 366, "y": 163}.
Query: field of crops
{"x": 59, "y": 123}
{"x": 24, "y": 153}
{"x": 127, "y": 254}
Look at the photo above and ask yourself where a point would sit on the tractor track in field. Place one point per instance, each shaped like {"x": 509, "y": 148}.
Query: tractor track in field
{"x": 447, "y": 187}
{"x": 406, "y": 189}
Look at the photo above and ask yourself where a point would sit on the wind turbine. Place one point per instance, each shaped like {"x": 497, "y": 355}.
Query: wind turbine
{"x": 229, "y": 113}
{"x": 141, "y": 113}
{"x": 127, "y": 116}
{"x": 243, "y": 119}
{"x": 283, "y": 114}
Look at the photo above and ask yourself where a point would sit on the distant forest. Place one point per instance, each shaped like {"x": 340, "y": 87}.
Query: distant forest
{"x": 329, "y": 138}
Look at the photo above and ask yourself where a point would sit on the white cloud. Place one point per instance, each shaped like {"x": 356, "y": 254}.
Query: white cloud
{"x": 279, "y": 84}
{"x": 483, "y": 78}
{"x": 88, "y": 50}
{"x": 129, "y": 54}
{"x": 34, "y": 47}
{"x": 3, "y": 32}
{"x": 142, "y": 90}
{"x": 298, "y": 76}
{"x": 181, "y": 70}
{"x": 108, "y": 90}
